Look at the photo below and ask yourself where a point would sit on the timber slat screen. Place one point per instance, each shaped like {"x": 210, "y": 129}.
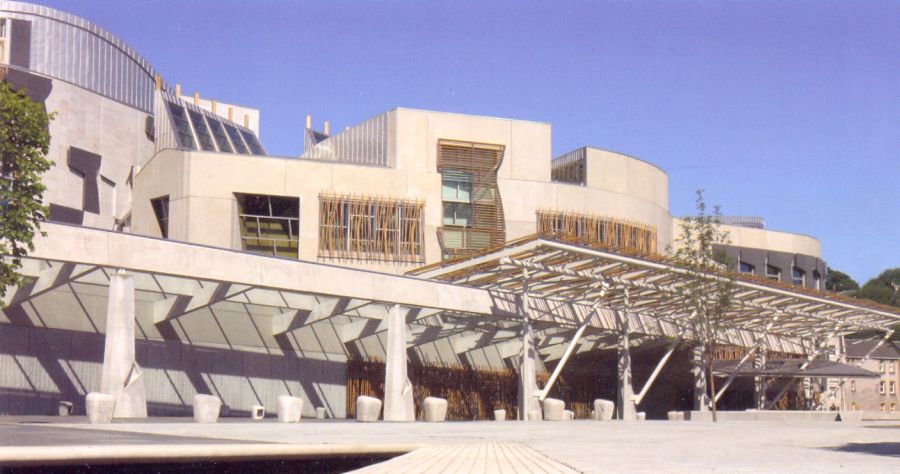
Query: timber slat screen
{"x": 588, "y": 229}
{"x": 370, "y": 228}
{"x": 473, "y": 218}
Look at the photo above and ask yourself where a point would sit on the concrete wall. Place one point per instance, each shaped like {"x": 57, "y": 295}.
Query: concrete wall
{"x": 203, "y": 210}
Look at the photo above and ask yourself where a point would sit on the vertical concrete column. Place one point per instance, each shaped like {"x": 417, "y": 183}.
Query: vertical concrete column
{"x": 759, "y": 383}
{"x": 121, "y": 376}
{"x": 398, "y": 396}
{"x": 698, "y": 370}
{"x": 625, "y": 391}
{"x": 528, "y": 401}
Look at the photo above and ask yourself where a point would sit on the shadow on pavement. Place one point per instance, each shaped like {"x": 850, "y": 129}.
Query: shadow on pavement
{"x": 881, "y": 449}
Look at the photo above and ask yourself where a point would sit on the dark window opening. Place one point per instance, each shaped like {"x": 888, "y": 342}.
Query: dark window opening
{"x": 161, "y": 209}
{"x": 269, "y": 224}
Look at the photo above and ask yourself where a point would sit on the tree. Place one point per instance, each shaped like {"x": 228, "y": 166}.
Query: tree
{"x": 24, "y": 142}
{"x": 708, "y": 288}
{"x": 840, "y": 282}
{"x": 884, "y": 289}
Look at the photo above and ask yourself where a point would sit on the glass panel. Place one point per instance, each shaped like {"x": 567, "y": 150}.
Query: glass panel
{"x": 269, "y": 224}
{"x": 203, "y": 135}
{"x": 219, "y": 133}
{"x": 253, "y": 143}
{"x": 182, "y": 127}
{"x": 236, "y": 140}
{"x": 161, "y": 209}
{"x": 746, "y": 267}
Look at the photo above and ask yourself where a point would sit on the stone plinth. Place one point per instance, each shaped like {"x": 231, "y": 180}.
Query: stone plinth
{"x": 568, "y": 415}
{"x": 100, "y": 407}
{"x": 65, "y": 408}
{"x": 289, "y": 409}
{"x": 676, "y": 416}
{"x": 257, "y": 412}
{"x": 435, "y": 409}
{"x": 367, "y": 408}
{"x": 206, "y": 408}
{"x": 320, "y": 413}
{"x": 553, "y": 409}
{"x": 641, "y": 416}
{"x": 604, "y": 409}
{"x": 499, "y": 415}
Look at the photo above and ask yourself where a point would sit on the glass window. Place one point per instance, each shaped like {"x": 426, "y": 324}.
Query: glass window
{"x": 882, "y": 407}
{"x": 203, "y": 135}
{"x": 893, "y": 388}
{"x": 745, "y": 267}
{"x": 854, "y": 406}
{"x": 773, "y": 273}
{"x": 893, "y": 407}
{"x": 369, "y": 228}
{"x": 817, "y": 279}
{"x": 218, "y": 133}
{"x": 182, "y": 127}
{"x": 457, "y": 214}
{"x": 161, "y": 209}
{"x": 269, "y": 224}
{"x": 456, "y": 187}
{"x": 881, "y": 387}
{"x": 236, "y": 140}
{"x": 252, "y": 142}
{"x": 853, "y": 385}
{"x": 798, "y": 276}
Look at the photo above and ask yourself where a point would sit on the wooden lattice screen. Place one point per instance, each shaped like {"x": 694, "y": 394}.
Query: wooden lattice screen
{"x": 370, "y": 228}
{"x": 487, "y": 228}
{"x": 592, "y": 230}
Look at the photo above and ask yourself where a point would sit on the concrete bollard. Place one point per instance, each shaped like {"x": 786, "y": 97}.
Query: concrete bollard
{"x": 604, "y": 409}
{"x": 534, "y": 415}
{"x": 676, "y": 416}
{"x": 435, "y": 409}
{"x": 568, "y": 415}
{"x": 100, "y": 407}
{"x": 65, "y": 408}
{"x": 367, "y": 408}
{"x": 499, "y": 415}
{"x": 641, "y": 416}
{"x": 257, "y": 412}
{"x": 289, "y": 409}
{"x": 206, "y": 408}
{"x": 553, "y": 409}
{"x": 320, "y": 413}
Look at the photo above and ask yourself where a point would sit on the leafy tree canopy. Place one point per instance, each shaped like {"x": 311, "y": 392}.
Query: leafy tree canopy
{"x": 884, "y": 289}
{"x": 24, "y": 142}
{"x": 840, "y": 282}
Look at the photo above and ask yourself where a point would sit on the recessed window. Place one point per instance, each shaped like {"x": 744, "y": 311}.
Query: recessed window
{"x": 893, "y": 407}
{"x": 745, "y": 267}
{"x": 893, "y": 388}
{"x": 370, "y": 228}
{"x": 853, "y": 385}
{"x": 817, "y": 280}
{"x": 854, "y": 406}
{"x": 161, "y": 209}
{"x": 4, "y": 42}
{"x": 882, "y": 367}
{"x": 773, "y": 273}
{"x": 881, "y": 387}
{"x": 597, "y": 230}
{"x": 798, "y": 276}
{"x": 269, "y": 224}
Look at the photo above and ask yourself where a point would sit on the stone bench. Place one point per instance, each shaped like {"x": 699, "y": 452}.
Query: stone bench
{"x": 435, "y": 409}
{"x": 290, "y": 409}
{"x": 676, "y": 416}
{"x": 553, "y": 409}
{"x": 206, "y": 408}
{"x": 100, "y": 407}
{"x": 367, "y": 408}
{"x": 604, "y": 409}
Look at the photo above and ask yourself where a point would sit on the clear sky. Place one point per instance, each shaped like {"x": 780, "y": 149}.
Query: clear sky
{"x": 785, "y": 110}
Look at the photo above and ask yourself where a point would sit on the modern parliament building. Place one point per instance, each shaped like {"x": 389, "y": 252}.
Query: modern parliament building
{"x": 181, "y": 258}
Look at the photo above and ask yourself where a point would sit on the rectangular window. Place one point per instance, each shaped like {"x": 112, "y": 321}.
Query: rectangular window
{"x": 745, "y": 267}
{"x": 798, "y": 277}
{"x": 882, "y": 367}
{"x": 891, "y": 365}
{"x": 773, "y": 273}
{"x": 269, "y": 224}
{"x": 854, "y": 406}
{"x": 182, "y": 126}
{"x": 161, "y": 209}
{"x": 203, "y": 135}
{"x": 853, "y": 385}
{"x": 218, "y": 131}
{"x": 881, "y": 387}
{"x": 893, "y": 388}
{"x": 236, "y": 140}
{"x": 882, "y": 407}
{"x": 369, "y": 228}
{"x": 4, "y": 42}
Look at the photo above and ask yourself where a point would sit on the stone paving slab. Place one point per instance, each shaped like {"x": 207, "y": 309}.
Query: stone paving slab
{"x": 511, "y": 458}
{"x": 589, "y": 446}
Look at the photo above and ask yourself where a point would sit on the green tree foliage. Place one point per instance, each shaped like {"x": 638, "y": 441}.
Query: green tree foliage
{"x": 840, "y": 282}
{"x": 24, "y": 142}
{"x": 884, "y": 289}
{"x": 708, "y": 289}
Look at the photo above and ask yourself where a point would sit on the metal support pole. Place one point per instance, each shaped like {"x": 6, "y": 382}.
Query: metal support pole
{"x": 659, "y": 366}
{"x": 542, "y": 394}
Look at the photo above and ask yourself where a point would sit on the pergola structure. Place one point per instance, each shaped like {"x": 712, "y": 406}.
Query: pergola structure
{"x": 626, "y": 293}
{"x": 532, "y": 298}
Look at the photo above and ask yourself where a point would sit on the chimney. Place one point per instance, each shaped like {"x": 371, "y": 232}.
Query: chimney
{"x": 231, "y": 114}
{"x": 308, "y": 121}
{"x": 246, "y": 121}
{"x": 158, "y": 82}
{"x": 212, "y": 106}
{"x": 325, "y": 129}
{"x": 196, "y": 98}
{"x": 177, "y": 90}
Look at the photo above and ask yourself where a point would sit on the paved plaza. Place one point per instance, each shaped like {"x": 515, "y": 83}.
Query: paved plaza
{"x": 585, "y": 446}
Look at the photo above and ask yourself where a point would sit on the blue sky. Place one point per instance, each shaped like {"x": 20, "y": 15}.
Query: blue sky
{"x": 786, "y": 110}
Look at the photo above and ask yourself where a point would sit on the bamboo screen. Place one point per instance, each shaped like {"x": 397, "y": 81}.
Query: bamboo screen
{"x": 591, "y": 230}
{"x": 486, "y": 228}
{"x": 370, "y": 228}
